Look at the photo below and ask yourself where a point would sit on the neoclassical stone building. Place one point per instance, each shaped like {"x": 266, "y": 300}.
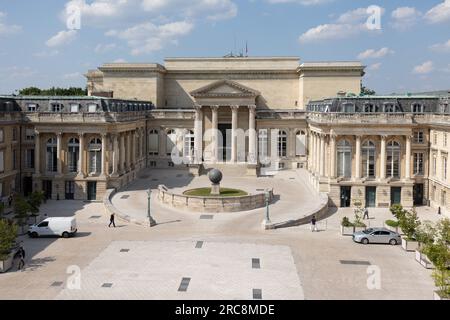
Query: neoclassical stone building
{"x": 249, "y": 116}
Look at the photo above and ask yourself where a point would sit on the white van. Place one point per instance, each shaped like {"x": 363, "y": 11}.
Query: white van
{"x": 64, "y": 227}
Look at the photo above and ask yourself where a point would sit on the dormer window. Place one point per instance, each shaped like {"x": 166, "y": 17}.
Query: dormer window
{"x": 390, "y": 108}
{"x": 348, "y": 108}
{"x": 417, "y": 108}
{"x": 57, "y": 107}
{"x": 74, "y": 108}
{"x": 92, "y": 108}
{"x": 369, "y": 108}
{"x": 31, "y": 107}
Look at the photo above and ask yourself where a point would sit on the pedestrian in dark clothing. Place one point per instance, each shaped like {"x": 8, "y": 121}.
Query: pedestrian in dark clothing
{"x": 313, "y": 224}
{"x": 10, "y": 199}
{"x": 439, "y": 210}
{"x": 21, "y": 254}
{"x": 111, "y": 221}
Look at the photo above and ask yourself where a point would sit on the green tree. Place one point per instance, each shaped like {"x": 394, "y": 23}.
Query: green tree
{"x": 8, "y": 234}
{"x": 2, "y": 208}
{"x": 398, "y": 211}
{"x": 367, "y": 92}
{"x": 425, "y": 233}
{"x": 35, "y": 200}
{"x": 72, "y": 91}
{"x": 409, "y": 224}
{"x": 21, "y": 208}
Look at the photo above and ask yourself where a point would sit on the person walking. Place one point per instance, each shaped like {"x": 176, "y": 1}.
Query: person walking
{"x": 366, "y": 214}
{"x": 111, "y": 221}
{"x": 313, "y": 224}
{"x": 21, "y": 254}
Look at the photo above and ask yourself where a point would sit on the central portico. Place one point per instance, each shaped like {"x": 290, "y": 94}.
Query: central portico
{"x": 225, "y": 123}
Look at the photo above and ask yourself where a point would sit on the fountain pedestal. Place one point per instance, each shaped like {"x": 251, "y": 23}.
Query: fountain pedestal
{"x": 215, "y": 176}
{"x": 215, "y": 189}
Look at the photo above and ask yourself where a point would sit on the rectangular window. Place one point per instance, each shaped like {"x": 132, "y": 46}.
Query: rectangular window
{"x": 2, "y": 163}
{"x": 434, "y": 165}
{"x": 56, "y": 107}
{"x": 263, "y": 144}
{"x": 153, "y": 144}
{"x": 29, "y": 158}
{"x": 435, "y": 139}
{"x": 31, "y": 107}
{"x": 74, "y": 108}
{"x": 92, "y": 108}
{"x": 445, "y": 139}
{"x": 14, "y": 134}
{"x": 443, "y": 199}
{"x": 444, "y": 168}
{"x": 2, "y": 138}
{"x": 29, "y": 134}
{"x": 418, "y": 163}
{"x": 14, "y": 159}
{"x": 418, "y": 137}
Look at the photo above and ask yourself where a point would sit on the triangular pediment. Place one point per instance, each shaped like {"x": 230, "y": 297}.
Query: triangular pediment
{"x": 225, "y": 88}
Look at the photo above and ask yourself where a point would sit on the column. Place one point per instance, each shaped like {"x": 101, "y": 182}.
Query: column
{"x": 358, "y": 158}
{"x": 58, "y": 152}
{"x": 332, "y": 156}
{"x": 81, "y": 155}
{"x": 215, "y": 129}
{"x": 408, "y": 158}
{"x": 122, "y": 152}
{"x": 322, "y": 156}
{"x": 234, "y": 125}
{"x": 37, "y": 153}
{"x": 128, "y": 152}
{"x": 198, "y": 134}
{"x": 133, "y": 149}
{"x": 383, "y": 158}
{"x": 116, "y": 159}
{"x": 313, "y": 151}
{"x": 317, "y": 164}
{"x": 103, "y": 173}
{"x": 252, "y": 134}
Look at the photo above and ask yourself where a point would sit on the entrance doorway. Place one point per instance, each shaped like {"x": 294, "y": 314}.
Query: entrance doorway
{"x": 47, "y": 188}
{"x": 396, "y": 195}
{"x": 371, "y": 197}
{"x": 346, "y": 197}
{"x": 70, "y": 190}
{"x": 27, "y": 186}
{"x": 225, "y": 145}
{"x": 92, "y": 191}
{"x": 418, "y": 194}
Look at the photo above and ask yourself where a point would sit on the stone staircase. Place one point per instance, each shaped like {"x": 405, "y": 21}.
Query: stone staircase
{"x": 230, "y": 170}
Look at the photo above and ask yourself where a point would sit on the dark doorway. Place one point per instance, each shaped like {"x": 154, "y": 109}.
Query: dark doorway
{"x": 27, "y": 186}
{"x": 346, "y": 197}
{"x": 92, "y": 191}
{"x": 371, "y": 197}
{"x": 418, "y": 194}
{"x": 47, "y": 187}
{"x": 396, "y": 195}
{"x": 225, "y": 144}
{"x": 70, "y": 190}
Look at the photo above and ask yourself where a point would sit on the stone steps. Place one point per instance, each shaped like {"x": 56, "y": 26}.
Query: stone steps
{"x": 230, "y": 170}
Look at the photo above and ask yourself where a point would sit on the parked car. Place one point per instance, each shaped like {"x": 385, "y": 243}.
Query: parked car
{"x": 64, "y": 227}
{"x": 377, "y": 235}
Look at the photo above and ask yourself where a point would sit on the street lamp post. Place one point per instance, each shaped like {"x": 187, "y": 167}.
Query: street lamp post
{"x": 151, "y": 220}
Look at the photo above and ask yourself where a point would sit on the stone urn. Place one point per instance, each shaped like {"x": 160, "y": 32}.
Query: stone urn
{"x": 215, "y": 176}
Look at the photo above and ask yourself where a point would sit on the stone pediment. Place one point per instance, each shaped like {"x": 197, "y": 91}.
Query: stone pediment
{"x": 224, "y": 89}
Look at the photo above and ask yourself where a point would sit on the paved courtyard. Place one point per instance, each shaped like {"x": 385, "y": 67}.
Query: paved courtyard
{"x": 294, "y": 263}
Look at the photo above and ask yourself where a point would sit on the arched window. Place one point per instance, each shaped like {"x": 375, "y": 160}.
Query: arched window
{"x": 95, "y": 156}
{"x": 300, "y": 143}
{"x": 171, "y": 141}
{"x": 189, "y": 144}
{"x": 153, "y": 143}
{"x": 344, "y": 159}
{"x": 368, "y": 159}
{"x": 393, "y": 159}
{"x": 73, "y": 152}
{"x": 282, "y": 143}
{"x": 52, "y": 159}
{"x": 390, "y": 108}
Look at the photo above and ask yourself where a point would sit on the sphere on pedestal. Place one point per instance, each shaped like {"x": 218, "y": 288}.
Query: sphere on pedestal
{"x": 215, "y": 176}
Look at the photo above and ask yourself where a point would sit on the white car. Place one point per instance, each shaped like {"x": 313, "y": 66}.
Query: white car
{"x": 64, "y": 227}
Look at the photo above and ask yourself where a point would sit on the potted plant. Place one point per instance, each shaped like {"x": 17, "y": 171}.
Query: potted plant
{"x": 347, "y": 228}
{"x": 409, "y": 224}
{"x": 8, "y": 233}
{"x": 391, "y": 225}
{"x": 425, "y": 235}
{"x": 359, "y": 212}
{"x": 21, "y": 209}
{"x": 35, "y": 200}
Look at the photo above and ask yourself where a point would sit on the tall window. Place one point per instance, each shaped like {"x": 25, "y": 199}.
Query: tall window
{"x": 73, "y": 154}
{"x": 2, "y": 138}
{"x": 418, "y": 164}
{"x": 95, "y": 156}
{"x": 171, "y": 142}
{"x": 344, "y": 159}
{"x": 434, "y": 164}
{"x": 444, "y": 168}
{"x": 418, "y": 137}
{"x": 393, "y": 159}
{"x": 300, "y": 143}
{"x": 445, "y": 139}
{"x": 29, "y": 158}
{"x": 443, "y": 198}
{"x": 263, "y": 146}
{"x": 52, "y": 159}
{"x": 368, "y": 159}
{"x": 14, "y": 134}
{"x": 417, "y": 108}
{"x": 189, "y": 144}
{"x": 282, "y": 143}
{"x": 153, "y": 143}
{"x": 14, "y": 159}
{"x": 390, "y": 108}
{"x": 2, "y": 161}
{"x": 29, "y": 134}
{"x": 369, "y": 108}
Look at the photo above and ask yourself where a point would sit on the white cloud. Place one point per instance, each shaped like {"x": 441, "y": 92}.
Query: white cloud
{"x": 7, "y": 29}
{"x": 441, "y": 47}
{"x": 148, "y": 37}
{"x": 103, "y": 48}
{"x": 61, "y": 38}
{"x": 70, "y": 76}
{"x": 374, "y": 54}
{"x": 439, "y": 13}
{"x": 302, "y": 2}
{"x": 424, "y": 68}
{"x": 347, "y": 25}
{"x": 405, "y": 17}
{"x": 19, "y": 72}
{"x": 120, "y": 60}
{"x": 375, "y": 66}
{"x": 46, "y": 54}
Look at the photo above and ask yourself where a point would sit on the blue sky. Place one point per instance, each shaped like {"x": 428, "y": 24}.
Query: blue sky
{"x": 410, "y": 53}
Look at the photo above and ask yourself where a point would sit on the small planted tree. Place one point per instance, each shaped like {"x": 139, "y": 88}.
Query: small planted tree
{"x": 346, "y": 222}
{"x": 359, "y": 213}
{"x": 425, "y": 234}
{"x": 2, "y": 209}
{"x": 409, "y": 224}
{"x": 22, "y": 208}
{"x": 8, "y": 233}
{"x": 35, "y": 200}
{"x": 398, "y": 211}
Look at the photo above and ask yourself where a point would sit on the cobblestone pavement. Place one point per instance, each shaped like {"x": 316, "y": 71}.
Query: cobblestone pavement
{"x": 319, "y": 265}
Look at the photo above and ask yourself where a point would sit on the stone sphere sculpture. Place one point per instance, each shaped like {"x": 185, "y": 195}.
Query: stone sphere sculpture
{"x": 215, "y": 176}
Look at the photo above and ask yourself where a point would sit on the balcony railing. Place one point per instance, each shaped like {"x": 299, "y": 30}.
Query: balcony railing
{"x": 379, "y": 118}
